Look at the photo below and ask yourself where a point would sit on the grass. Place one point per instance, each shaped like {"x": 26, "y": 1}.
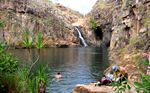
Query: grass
{"x": 135, "y": 40}
{"x": 39, "y": 41}
{"x": 2, "y": 24}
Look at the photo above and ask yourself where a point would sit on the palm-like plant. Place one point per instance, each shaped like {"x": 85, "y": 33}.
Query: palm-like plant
{"x": 39, "y": 41}
{"x": 27, "y": 40}
{"x": 22, "y": 80}
{"x": 41, "y": 78}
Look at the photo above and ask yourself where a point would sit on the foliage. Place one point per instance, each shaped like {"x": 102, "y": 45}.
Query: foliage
{"x": 22, "y": 80}
{"x": 14, "y": 79}
{"x": 27, "y": 40}
{"x": 40, "y": 77}
{"x": 2, "y": 24}
{"x": 93, "y": 24}
{"x": 7, "y": 63}
{"x": 39, "y": 41}
{"x": 147, "y": 19}
{"x": 121, "y": 87}
{"x": 8, "y": 66}
{"x": 135, "y": 40}
{"x": 144, "y": 84}
{"x": 30, "y": 83}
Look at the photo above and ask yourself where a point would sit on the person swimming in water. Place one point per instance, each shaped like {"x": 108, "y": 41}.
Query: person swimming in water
{"x": 58, "y": 75}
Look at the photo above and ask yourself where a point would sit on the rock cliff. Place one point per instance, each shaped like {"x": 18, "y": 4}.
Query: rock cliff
{"x": 102, "y": 13}
{"x": 34, "y": 16}
{"x": 125, "y": 24}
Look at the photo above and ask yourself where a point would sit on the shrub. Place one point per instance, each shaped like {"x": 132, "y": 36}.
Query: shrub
{"x": 7, "y": 63}
{"x": 144, "y": 84}
{"x": 121, "y": 87}
{"x": 136, "y": 41}
{"x": 8, "y": 66}
{"x": 2, "y": 24}
{"x": 93, "y": 24}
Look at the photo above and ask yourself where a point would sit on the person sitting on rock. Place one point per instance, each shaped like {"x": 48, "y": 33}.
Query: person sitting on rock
{"x": 106, "y": 80}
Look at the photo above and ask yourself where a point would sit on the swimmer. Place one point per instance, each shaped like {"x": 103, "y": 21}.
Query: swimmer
{"x": 58, "y": 76}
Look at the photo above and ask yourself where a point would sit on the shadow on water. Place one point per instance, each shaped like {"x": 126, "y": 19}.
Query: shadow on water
{"x": 77, "y": 65}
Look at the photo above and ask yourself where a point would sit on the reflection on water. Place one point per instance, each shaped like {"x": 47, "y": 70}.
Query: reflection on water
{"x": 77, "y": 65}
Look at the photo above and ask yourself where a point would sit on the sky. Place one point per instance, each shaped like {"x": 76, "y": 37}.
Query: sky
{"x": 83, "y": 6}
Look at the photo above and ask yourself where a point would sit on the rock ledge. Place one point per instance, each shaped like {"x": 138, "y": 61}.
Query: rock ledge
{"x": 91, "y": 88}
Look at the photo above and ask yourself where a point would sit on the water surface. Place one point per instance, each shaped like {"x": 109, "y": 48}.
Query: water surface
{"x": 77, "y": 65}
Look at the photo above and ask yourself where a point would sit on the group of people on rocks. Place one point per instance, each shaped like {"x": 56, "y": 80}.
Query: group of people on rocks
{"x": 117, "y": 74}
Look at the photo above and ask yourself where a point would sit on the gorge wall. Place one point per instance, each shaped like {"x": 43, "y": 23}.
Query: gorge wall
{"x": 126, "y": 25}
{"x": 21, "y": 17}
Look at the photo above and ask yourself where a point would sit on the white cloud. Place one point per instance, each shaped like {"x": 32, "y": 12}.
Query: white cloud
{"x": 83, "y": 6}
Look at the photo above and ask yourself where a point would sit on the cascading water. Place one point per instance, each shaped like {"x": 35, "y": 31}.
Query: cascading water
{"x": 80, "y": 36}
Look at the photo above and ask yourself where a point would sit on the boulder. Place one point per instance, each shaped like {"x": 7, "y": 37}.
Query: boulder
{"x": 91, "y": 88}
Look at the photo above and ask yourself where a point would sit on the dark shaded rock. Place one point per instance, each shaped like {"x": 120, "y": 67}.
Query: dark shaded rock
{"x": 63, "y": 46}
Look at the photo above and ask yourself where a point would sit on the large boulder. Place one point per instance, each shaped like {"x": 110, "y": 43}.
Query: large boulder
{"x": 91, "y": 88}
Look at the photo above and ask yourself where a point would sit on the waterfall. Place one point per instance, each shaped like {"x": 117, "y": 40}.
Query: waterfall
{"x": 80, "y": 36}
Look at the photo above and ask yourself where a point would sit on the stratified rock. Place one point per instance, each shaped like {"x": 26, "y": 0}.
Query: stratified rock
{"x": 102, "y": 14}
{"x": 34, "y": 16}
{"x": 91, "y": 88}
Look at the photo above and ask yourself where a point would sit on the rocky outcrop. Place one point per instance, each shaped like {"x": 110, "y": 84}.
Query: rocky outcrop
{"x": 130, "y": 24}
{"x": 91, "y": 88}
{"x": 34, "y": 16}
{"x": 102, "y": 13}
{"x": 123, "y": 22}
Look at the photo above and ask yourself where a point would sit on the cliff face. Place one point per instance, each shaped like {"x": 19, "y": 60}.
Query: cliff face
{"x": 102, "y": 13}
{"x": 34, "y": 16}
{"x": 128, "y": 22}
{"x": 131, "y": 25}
